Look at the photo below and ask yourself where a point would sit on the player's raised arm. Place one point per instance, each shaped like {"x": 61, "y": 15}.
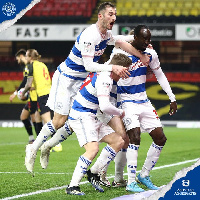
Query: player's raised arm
{"x": 132, "y": 50}
{"x": 92, "y": 66}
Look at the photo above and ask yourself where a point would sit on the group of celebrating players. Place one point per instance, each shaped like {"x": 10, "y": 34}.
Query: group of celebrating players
{"x": 101, "y": 103}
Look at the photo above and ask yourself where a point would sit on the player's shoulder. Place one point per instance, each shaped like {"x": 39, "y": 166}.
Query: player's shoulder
{"x": 38, "y": 63}
{"x": 151, "y": 51}
{"x": 90, "y": 35}
{"x": 104, "y": 77}
{"x": 90, "y": 31}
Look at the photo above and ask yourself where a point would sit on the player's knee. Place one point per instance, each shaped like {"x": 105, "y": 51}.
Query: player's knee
{"x": 120, "y": 143}
{"x": 161, "y": 140}
{"x": 134, "y": 136}
{"x": 122, "y": 133}
{"x": 22, "y": 117}
{"x": 58, "y": 123}
{"x": 126, "y": 143}
{"x": 117, "y": 144}
{"x": 134, "y": 139}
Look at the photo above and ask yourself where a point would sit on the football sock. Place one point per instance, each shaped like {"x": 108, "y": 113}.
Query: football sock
{"x": 62, "y": 134}
{"x": 46, "y": 131}
{"x": 28, "y": 126}
{"x": 34, "y": 124}
{"x": 120, "y": 163}
{"x": 30, "y": 137}
{"x": 38, "y": 127}
{"x": 105, "y": 168}
{"x": 106, "y": 156}
{"x": 80, "y": 170}
{"x": 151, "y": 159}
{"x": 132, "y": 154}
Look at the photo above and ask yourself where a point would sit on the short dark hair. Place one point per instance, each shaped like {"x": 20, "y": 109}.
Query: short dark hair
{"x": 138, "y": 28}
{"x": 104, "y": 5}
{"x": 21, "y": 52}
{"x": 121, "y": 59}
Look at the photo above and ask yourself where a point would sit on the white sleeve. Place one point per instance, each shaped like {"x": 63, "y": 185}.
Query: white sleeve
{"x": 127, "y": 38}
{"x": 106, "y": 106}
{"x": 162, "y": 80}
{"x": 87, "y": 45}
{"x": 91, "y": 66}
{"x": 87, "y": 48}
{"x": 104, "y": 86}
{"x": 154, "y": 63}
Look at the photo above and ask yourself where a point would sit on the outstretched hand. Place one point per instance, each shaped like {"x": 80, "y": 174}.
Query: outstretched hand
{"x": 121, "y": 71}
{"x": 150, "y": 46}
{"x": 173, "y": 108}
{"x": 12, "y": 96}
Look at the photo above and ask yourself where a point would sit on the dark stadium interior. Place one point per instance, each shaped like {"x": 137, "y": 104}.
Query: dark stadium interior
{"x": 180, "y": 59}
{"x": 174, "y": 55}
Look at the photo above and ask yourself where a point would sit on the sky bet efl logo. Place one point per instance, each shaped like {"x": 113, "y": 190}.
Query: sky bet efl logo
{"x": 185, "y": 191}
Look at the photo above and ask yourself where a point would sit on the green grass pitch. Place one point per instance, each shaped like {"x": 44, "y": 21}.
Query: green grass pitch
{"x": 182, "y": 145}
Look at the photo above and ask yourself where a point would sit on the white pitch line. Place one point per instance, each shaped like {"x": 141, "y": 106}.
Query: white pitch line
{"x": 12, "y": 143}
{"x": 56, "y": 173}
{"x": 165, "y": 166}
{"x": 62, "y": 187}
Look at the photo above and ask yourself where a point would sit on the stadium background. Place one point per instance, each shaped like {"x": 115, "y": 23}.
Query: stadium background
{"x": 51, "y": 27}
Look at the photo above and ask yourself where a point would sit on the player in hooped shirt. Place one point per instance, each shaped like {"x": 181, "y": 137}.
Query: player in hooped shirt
{"x": 69, "y": 75}
{"x": 95, "y": 94}
{"x": 140, "y": 115}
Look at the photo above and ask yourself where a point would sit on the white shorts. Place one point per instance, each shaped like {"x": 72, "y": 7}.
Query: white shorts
{"x": 141, "y": 115}
{"x": 103, "y": 117}
{"x": 89, "y": 129}
{"x": 63, "y": 91}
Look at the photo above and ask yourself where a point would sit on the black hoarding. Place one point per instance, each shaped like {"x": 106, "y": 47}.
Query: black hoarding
{"x": 158, "y": 32}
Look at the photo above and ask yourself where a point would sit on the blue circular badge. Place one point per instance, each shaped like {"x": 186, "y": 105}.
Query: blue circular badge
{"x": 9, "y": 9}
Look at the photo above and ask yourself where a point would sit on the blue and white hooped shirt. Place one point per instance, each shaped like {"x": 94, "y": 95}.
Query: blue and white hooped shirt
{"x": 87, "y": 98}
{"x": 133, "y": 88}
{"x": 88, "y": 43}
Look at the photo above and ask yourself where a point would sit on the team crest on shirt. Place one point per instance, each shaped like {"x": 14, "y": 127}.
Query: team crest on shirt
{"x": 106, "y": 84}
{"x": 87, "y": 46}
{"x": 26, "y": 70}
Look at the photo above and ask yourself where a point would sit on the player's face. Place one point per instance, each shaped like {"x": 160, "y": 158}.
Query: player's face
{"x": 20, "y": 59}
{"x": 108, "y": 18}
{"x": 143, "y": 40}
